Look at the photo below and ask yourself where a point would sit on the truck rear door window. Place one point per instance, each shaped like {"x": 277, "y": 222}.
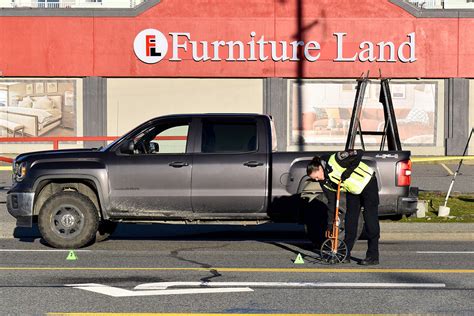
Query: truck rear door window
{"x": 229, "y": 137}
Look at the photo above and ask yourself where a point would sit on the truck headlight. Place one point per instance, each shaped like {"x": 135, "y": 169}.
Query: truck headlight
{"x": 19, "y": 171}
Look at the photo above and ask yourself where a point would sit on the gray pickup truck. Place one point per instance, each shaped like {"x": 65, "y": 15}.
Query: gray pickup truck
{"x": 209, "y": 168}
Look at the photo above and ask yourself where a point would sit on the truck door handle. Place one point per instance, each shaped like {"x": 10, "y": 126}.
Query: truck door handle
{"x": 253, "y": 164}
{"x": 178, "y": 164}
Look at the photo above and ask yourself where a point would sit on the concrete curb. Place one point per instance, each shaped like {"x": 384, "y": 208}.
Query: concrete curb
{"x": 427, "y": 236}
{"x": 427, "y": 231}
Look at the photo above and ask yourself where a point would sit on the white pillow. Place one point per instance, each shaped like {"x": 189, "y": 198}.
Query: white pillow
{"x": 43, "y": 103}
{"x": 25, "y": 103}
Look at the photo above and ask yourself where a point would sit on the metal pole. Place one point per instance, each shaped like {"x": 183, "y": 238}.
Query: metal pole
{"x": 457, "y": 170}
{"x": 300, "y": 73}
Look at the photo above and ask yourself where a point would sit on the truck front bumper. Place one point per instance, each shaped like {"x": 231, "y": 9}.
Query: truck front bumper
{"x": 20, "y": 206}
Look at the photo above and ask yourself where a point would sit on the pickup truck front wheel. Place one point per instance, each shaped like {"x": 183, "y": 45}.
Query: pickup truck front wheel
{"x": 68, "y": 219}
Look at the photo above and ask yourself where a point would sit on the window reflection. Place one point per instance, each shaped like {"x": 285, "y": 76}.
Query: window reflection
{"x": 327, "y": 108}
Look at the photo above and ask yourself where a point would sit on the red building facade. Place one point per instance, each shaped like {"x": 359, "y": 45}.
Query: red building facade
{"x": 328, "y": 43}
{"x": 64, "y": 46}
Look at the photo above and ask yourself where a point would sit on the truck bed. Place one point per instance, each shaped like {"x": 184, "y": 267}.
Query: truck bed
{"x": 288, "y": 178}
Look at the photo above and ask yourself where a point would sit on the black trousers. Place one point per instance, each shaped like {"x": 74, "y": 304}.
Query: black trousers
{"x": 369, "y": 199}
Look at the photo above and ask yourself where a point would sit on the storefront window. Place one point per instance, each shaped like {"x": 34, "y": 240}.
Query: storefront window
{"x": 32, "y": 108}
{"x": 327, "y": 106}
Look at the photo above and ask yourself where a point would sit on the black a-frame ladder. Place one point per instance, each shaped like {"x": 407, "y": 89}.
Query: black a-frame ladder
{"x": 390, "y": 131}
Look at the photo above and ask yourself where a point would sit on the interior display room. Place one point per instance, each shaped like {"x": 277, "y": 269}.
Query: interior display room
{"x": 101, "y": 72}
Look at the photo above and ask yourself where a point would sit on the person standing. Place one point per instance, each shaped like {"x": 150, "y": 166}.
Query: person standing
{"x": 360, "y": 184}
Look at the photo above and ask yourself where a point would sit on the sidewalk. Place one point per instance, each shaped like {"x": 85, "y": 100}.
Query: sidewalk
{"x": 426, "y": 231}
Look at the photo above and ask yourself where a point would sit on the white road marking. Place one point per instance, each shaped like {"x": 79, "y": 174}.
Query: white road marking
{"x": 166, "y": 285}
{"x": 446, "y": 252}
{"x": 446, "y": 168}
{"x": 118, "y": 292}
{"x": 162, "y": 288}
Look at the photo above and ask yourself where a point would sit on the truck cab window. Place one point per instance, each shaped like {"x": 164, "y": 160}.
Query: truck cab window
{"x": 229, "y": 137}
{"x": 162, "y": 139}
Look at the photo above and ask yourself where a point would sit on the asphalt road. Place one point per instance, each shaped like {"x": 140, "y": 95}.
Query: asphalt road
{"x": 35, "y": 279}
{"x": 434, "y": 177}
{"x": 413, "y": 277}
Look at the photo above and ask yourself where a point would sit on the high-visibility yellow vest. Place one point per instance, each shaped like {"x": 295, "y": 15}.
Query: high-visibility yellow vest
{"x": 357, "y": 180}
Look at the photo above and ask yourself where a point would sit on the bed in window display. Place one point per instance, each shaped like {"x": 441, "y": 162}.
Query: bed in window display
{"x": 35, "y": 108}
{"x": 38, "y": 115}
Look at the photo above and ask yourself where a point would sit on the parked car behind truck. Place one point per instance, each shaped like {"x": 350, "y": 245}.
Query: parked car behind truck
{"x": 201, "y": 168}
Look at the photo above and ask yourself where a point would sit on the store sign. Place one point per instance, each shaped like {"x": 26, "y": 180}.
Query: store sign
{"x": 151, "y": 46}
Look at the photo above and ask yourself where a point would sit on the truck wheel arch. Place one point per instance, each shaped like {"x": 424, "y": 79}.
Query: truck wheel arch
{"x": 68, "y": 220}
{"x": 305, "y": 181}
{"x": 45, "y": 187}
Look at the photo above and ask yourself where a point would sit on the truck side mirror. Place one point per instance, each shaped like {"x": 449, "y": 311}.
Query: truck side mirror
{"x": 154, "y": 147}
{"x": 127, "y": 147}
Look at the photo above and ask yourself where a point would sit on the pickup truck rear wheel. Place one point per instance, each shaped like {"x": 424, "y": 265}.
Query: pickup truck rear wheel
{"x": 68, "y": 219}
{"x": 106, "y": 228}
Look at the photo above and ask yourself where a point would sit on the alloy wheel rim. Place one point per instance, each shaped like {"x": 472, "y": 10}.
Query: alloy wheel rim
{"x": 67, "y": 221}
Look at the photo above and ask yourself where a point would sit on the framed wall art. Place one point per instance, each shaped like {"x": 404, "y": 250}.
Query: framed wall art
{"x": 39, "y": 87}
{"x": 52, "y": 87}
{"x": 29, "y": 88}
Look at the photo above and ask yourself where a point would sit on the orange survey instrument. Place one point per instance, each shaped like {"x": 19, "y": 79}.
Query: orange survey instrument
{"x": 333, "y": 249}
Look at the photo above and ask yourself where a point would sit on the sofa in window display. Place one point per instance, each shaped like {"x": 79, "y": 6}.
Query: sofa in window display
{"x": 416, "y": 126}
{"x": 329, "y": 120}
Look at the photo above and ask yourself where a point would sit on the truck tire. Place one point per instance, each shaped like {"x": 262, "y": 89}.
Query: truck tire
{"x": 68, "y": 220}
{"x": 106, "y": 228}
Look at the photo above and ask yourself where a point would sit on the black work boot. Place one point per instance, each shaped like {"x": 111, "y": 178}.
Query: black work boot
{"x": 347, "y": 259}
{"x": 369, "y": 261}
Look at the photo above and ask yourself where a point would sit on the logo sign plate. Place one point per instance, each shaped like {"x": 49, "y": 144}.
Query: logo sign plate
{"x": 150, "y": 46}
